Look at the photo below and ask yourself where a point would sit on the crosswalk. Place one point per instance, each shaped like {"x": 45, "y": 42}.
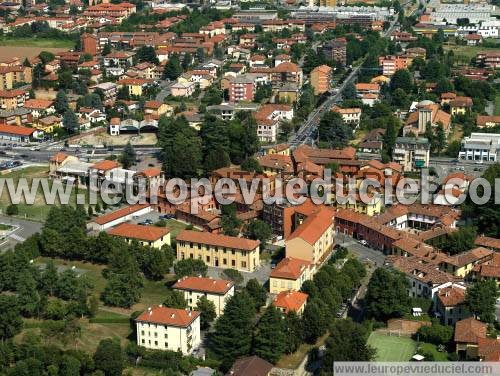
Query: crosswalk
{"x": 17, "y": 237}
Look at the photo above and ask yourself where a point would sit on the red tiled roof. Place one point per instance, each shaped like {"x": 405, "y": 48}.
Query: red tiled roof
{"x": 289, "y": 268}
{"x": 16, "y": 129}
{"x": 106, "y": 218}
{"x": 105, "y": 165}
{"x": 145, "y": 233}
{"x": 150, "y": 172}
{"x": 290, "y": 300}
{"x": 59, "y": 157}
{"x": 218, "y": 240}
{"x": 487, "y": 242}
{"x": 250, "y": 366}
{"x": 314, "y": 226}
{"x": 38, "y": 103}
{"x": 168, "y": 316}
{"x": 469, "y": 330}
{"x": 451, "y": 296}
{"x": 209, "y": 285}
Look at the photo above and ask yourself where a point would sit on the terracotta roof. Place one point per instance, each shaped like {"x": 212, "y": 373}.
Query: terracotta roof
{"x": 469, "y": 257}
{"x": 415, "y": 268}
{"x": 106, "y": 218}
{"x": 489, "y": 349}
{"x": 168, "y": 316}
{"x": 38, "y": 103}
{"x": 218, "y": 240}
{"x": 133, "y": 231}
{"x": 16, "y": 129}
{"x": 451, "y": 296}
{"x": 286, "y": 67}
{"x": 250, "y": 366}
{"x": 487, "y": 242}
{"x": 366, "y": 86}
{"x": 289, "y": 268}
{"x": 59, "y": 157}
{"x": 209, "y": 285}
{"x": 469, "y": 330}
{"x": 314, "y": 226}
{"x": 150, "y": 172}
{"x": 105, "y": 165}
{"x": 290, "y": 300}
{"x": 482, "y": 120}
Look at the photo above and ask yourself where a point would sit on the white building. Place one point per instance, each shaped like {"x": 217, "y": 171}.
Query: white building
{"x": 125, "y": 214}
{"x": 162, "y": 328}
{"x": 218, "y": 291}
{"x": 480, "y": 147}
{"x": 411, "y": 152}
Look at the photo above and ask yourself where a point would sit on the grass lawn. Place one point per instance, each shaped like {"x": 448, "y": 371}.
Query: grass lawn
{"x": 4, "y": 227}
{"x": 497, "y": 105}
{"x": 392, "y": 348}
{"x": 432, "y": 349}
{"x": 292, "y": 361}
{"x": 175, "y": 227}
{"x": 37, "y": 42}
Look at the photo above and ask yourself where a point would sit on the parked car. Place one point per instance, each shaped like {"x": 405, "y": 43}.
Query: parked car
{"x": 363, "y": 242}
{"x": 166, "y": 216}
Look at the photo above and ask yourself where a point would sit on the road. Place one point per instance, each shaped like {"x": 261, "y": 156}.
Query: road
{"x": 364, "y": 254}
{"x": 306, "y": 132}
{"x": 23, "y": 230}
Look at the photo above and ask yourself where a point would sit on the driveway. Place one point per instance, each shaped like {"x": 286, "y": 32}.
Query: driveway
{"x": 261, "y": 273}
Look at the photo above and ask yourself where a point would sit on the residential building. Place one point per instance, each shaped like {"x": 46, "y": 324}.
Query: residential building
{"x": 468, "y": 332}
{"x": 480, "y": 147}
{"x": 40, "y": 107}
{"x": 13, "y": 99}
{"x": 251, "y": 365}
{"x": 489, "y": 270}
{"x": 460, "y": 105}
{"x": 122, "y": 215}
{"x": 412, "y": 153}
{"x": 268, "y": 119}
{"x": 219, "y": 250}
{"x": 184, "y": 89}
{"x": 290, "y": 274}
{"x": 162, "y": 328}
{"x": 320, "y": 79}
{"x": 109, "y": 91}
{"x": 461, "y": 264}
{"x": 291, "y": 301}
{"x": 151, "y": 236}
{"x": 336, "y": 49}
{"x": 489, "y": 59}
{"x": 488, "y": 242}
{"x": 157, "y": 109}
{"x": 15, "y": 133}
{"x": 90, "y": 44}
{"x": 10, "y": 75}
{"x": 218, "y": 291}
{"x": 241, "y": 88}
{"x": 450, "y": 304}
{"x": 47, "y": 124}
{"x": 367, "y": 88}
{"x": 350, "y": 116}
{"x": 391, "y": 64}
{"x": 135, "y": 86}
{"x": 312, "y": 240}
{"x": 487, "y": 121}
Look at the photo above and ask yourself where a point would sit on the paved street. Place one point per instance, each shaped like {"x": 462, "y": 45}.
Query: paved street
{"x": 23, "y": 230}
{"x": 363, "y": 253}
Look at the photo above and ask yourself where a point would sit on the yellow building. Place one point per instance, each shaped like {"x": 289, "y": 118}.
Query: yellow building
{"x": 219, "y": 251}
{"x": 218, "y": 291}
{"x": 371, "y": 208}
{"x": 313, "y": 239}
{"x": 282, "y": 149}
{"x": 461, "y": 265}
{"x": 135, "y": 86}
{"x": 14, "y": 74}
{"x": 290, "y": 274}
{"x": 47, "y": 124}
{"x": 288, "y": 301}
{"x": 460, "y": 105}
{"x": 150, "y": 236}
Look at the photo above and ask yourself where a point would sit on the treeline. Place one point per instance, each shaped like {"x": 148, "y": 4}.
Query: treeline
{"x": 63, "y": 236}
{"x": 188, "y": 153}
{"x": 239, "y": 333}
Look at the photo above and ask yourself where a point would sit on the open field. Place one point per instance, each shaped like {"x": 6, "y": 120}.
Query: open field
{"x": 21, "y": 50}
{"x": 466, "y": 51}
{"x": 38, "y": 42}
{"x": 103, "y": 138}
{"x": 497, "y": 105}
{"x": 392, "y": 348}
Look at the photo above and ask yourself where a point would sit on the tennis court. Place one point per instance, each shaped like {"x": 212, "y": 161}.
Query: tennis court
{"x": 392, "y": 348}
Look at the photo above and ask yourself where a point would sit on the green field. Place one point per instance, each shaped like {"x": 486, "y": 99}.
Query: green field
{"x": 34, "y": 42}
{"x": 392, "y": 348}
{"x": 497, "y": 105}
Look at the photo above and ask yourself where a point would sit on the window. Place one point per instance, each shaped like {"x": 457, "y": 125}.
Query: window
{"x": 142, "y": 332}
{"x": 233, "y": 252}
{"x": 243, "y": 264}
{"x": 233, "y": 263}
{"x": 143, "y": 341}
{"x": 275, "y": 283}
{"x": 166, "y": 335}
{"x": 224, "y": 261}
{"x": 156, "y": 343}
{"x": 208, "y": 258}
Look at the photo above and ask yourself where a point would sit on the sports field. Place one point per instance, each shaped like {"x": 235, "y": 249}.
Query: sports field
{"x": 392, "y": 348}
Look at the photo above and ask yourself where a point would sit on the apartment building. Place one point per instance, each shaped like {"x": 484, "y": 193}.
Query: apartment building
{"x": 290, "y": 274}
{"x": 117, "y": 11}
{"x": 12, "y": 99}
{"x": 162, "y": 328}
{"x": 241, "y": 88}
{"x": 462, "y": 264}
{"x": 336, "y": 50}
{"x": 320, "y": 79}
{"x": 268, "y": 119}
{"x": 151, "y": 236}
{"x": 390, "y": 64}
{"x": 450, "y": 304}
{"x": 412, "y": 153}
{"x": 350, "y": 116}
{"x": 10, "y": 75}
{"x": 219, "y": 251}
{"x": 218, "y": 291}
{"x": 489, "y": 59}
{"x": 313, "y": 239}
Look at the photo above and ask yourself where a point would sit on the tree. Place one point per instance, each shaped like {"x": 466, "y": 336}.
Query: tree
{"x": 70, "y": 121}
{"x": 440, "y": 138}
{"x": 349, "y": 91}
{"x": 50, "y": 278}
{"x": 175, "y": 299}
{"x": 402, "y": 80}
{"x": 257, "y": 292}
{"x": 387, "y": 295}
{"x": 480, "y": 298}
{"x": 233, "y": 330}
{"x": 251, "y": 165}
{"x": 90, "y": 211}
{"x": 207, "y": 312}
{"x": 216, "y": 159}
{"x": 259, "y": 230}
{"x": 61, "y": 102}
{"x": 157, "y": 262}
{"x": 233, "y": 275}
{"x": 11, "y": 210}
{"x": 270, "y": 338}
{"x": 147, "y": 53}
{"x": 28, "y": 297}
{"x": 347, "y": 342}
{"x": 437, "y": 334}
{"x": 108, "y": 357}
{"x": 121, "y": 291}
{"x": 127, "y": 159}
{"x": 390, "y": 135}
{"x": 173, "y": 68}
{"x": 187, "y": 60}
{"x": 333, "y": 133}
{"x": 459, "y": 241}
{"x": 200, "y": 54}
{"x": 190, "y": 267}
{"x": 314, "y": 320}
{"x": 10, "y": 318}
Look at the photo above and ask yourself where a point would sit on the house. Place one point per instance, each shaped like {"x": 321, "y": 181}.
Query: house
{"x": 487, "y": 121}
{"x": 251, "y": 365}
{"x": 47, "y": 124}
{"x": 185, "y": 89}
{"x": 268, "y": 119}
{"x": 460, "y": 105}
{"x": 488, "y": 242}
{"x": 462, "y": 264}
{"x": 450, "y": 304}
{"x": 151, "y": 236}
{"x": 162, "y": 328}
{"x": 391, "y": 64}
{"x": 320, "y": 79}
{"x": 291, "y": 301}
{"x": 290, "y": 274}
{"x": 157, "y": 109}
{"x": 135, "y": 86}
{"x": 489, "y": 270}
{"x": 40, "y": 107}
{"x": 219, "y": 250}
{"x": 69, "y": 168}
{"x": 468, "y": 332}
{"x": 120, "y": 59}
{"x": 350, "y": 116}
{"x": 109, "y": 91}
{"x": 312, "y": 240}
{"x": 218, "y": 291}
{"x": 473, "y": 39}
{"x": 15, "y": 133}
{"x": 122, "y": 215}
